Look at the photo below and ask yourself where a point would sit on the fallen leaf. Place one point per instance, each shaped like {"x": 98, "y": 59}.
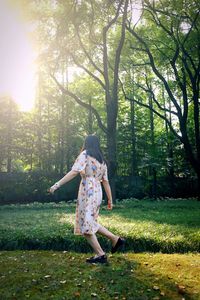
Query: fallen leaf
{"x": 162, "y": 294}
{"x": 155, "y": 288}
{"x": 181, "y": 289}
{"x": 63, "y": 281}
{"x": 112, "y": 281}
{"x": 93, "y": 294}
{"x": 77, "y": 294}
{"x": 47, "y": 276}
{"x": 79, "y": 284}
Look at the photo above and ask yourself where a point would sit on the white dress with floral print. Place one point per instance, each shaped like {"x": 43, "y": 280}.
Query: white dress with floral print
{"x": 89, "y": 194}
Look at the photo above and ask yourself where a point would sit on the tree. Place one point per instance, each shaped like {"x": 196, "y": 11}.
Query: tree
{"x": 98, "y": 54}
{"x": 172, "y": 52}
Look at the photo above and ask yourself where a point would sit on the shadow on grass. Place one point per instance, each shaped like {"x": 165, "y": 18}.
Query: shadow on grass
{"x": 60, "y": 276}
{"x": 24, "y": 228}
{"x": 175, "y": 213}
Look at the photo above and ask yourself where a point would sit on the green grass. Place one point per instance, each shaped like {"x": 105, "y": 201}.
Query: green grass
{"x": 166, "y": 226}
{"x": 64, "y": 275}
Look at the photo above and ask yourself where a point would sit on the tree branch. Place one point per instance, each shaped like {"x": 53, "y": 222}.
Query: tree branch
{"x": 152, "y": 109}
{"x": 86, "y": 53}
{"x": 155, "y": 70}
{"x": 88, "y": 72}
{"x": 119, "y": 49}
{"x": 85, "y": 105}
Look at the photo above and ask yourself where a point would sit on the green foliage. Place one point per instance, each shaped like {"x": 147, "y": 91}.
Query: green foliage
{"x": 49, "y": 138}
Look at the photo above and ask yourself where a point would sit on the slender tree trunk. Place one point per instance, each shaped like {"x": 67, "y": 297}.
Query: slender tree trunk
{"x": 170, "y": 154}
{"x": 153, "y": 171}
{"x": 31, "y": 158}
{"x": 62, "y": 128}
{"x": 39, "y": 123}
{"x": 9, "y": 138}
{"x": 90, "y": 122}
{"x": 67, "y": 119}
{"x": 133, "y": 138}
{"x": 194, "y": 162}
{"x": 111, "y": 146}
{"x": 49, "y": 138}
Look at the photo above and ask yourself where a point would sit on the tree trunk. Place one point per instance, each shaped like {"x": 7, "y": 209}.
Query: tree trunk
{"x": 153, "y": 172}
{"x": 111, "y": 146}
{"x": 198, "y": 185}
{"x": 170, "y": 166}
{"x": 90, "y": 123}
{"x": 133, "y": 138}
{"x": 49, "y": 137}
{"x": 62, "y": 128}
{"x": 39, "y": 123}
{"x": 194, "y": 162}
{"x": 9, "y": 138}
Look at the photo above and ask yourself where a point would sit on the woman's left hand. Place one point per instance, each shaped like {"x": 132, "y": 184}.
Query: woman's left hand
{"x": 110, "y": 206}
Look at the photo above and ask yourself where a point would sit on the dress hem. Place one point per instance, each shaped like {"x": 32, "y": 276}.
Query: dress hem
{"x": 80, "y": 233}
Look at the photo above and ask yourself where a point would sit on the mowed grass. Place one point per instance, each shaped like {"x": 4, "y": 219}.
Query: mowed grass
{"x": 164, "y": 226}
{"x": 168, "y": 226}
{"x": 61, "y": 275}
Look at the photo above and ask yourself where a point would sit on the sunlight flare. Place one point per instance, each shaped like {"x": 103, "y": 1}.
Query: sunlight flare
{"x": 17, "y": 72}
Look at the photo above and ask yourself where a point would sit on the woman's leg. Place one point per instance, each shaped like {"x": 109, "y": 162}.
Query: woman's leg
{"x": 92, "y": 240}
{"x": 102, "y": 230}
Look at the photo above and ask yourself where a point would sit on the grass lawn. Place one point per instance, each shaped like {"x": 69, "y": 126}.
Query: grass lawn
{"x": 161, "y": 259}
{"x": 166, "y": 226}
{"x": 63, "y": 275}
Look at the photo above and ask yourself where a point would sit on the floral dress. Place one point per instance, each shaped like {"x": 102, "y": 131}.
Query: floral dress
{"x": 90, "y": 193}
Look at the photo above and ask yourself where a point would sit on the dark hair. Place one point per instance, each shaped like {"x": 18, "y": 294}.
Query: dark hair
{"x": 92, "y": 147}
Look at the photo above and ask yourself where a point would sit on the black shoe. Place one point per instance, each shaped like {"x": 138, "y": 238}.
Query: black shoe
{"x": 99, "y": 259}
{"x": 120, "y": 243}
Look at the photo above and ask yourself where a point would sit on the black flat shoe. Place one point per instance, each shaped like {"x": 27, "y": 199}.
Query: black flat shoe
{"x": 119, "y": 244}
{"x": 99, "y": 259}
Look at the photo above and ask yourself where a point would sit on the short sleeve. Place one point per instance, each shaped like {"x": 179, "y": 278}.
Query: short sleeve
{"x": 105, "y": 175}
{"x": 80, "y": 162}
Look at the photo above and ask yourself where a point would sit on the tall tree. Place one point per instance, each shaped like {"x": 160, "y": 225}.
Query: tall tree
{"x": 173, "y": 49}
{"x": 98, "y": 54}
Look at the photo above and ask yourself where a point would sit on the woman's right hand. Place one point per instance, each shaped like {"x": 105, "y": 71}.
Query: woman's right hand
{"x": 53, "y": 188}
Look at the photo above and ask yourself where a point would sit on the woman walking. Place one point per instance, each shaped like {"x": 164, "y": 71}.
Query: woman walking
{"x": 93, "y": 170}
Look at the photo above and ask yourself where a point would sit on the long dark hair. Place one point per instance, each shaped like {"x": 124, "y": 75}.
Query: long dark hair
{"x": 92, "y": 147}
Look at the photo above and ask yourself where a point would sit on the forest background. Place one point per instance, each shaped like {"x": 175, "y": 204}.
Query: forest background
{"x": 128, "y": 71}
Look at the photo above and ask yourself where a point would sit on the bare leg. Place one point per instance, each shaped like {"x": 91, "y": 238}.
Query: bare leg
{"x": 104, "y": 231}
{"x": 92, "y": 240}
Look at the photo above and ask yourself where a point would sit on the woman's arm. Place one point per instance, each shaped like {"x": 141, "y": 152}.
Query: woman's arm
{"x": 69, "y": 176}
{"x": 107, "y": 188}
